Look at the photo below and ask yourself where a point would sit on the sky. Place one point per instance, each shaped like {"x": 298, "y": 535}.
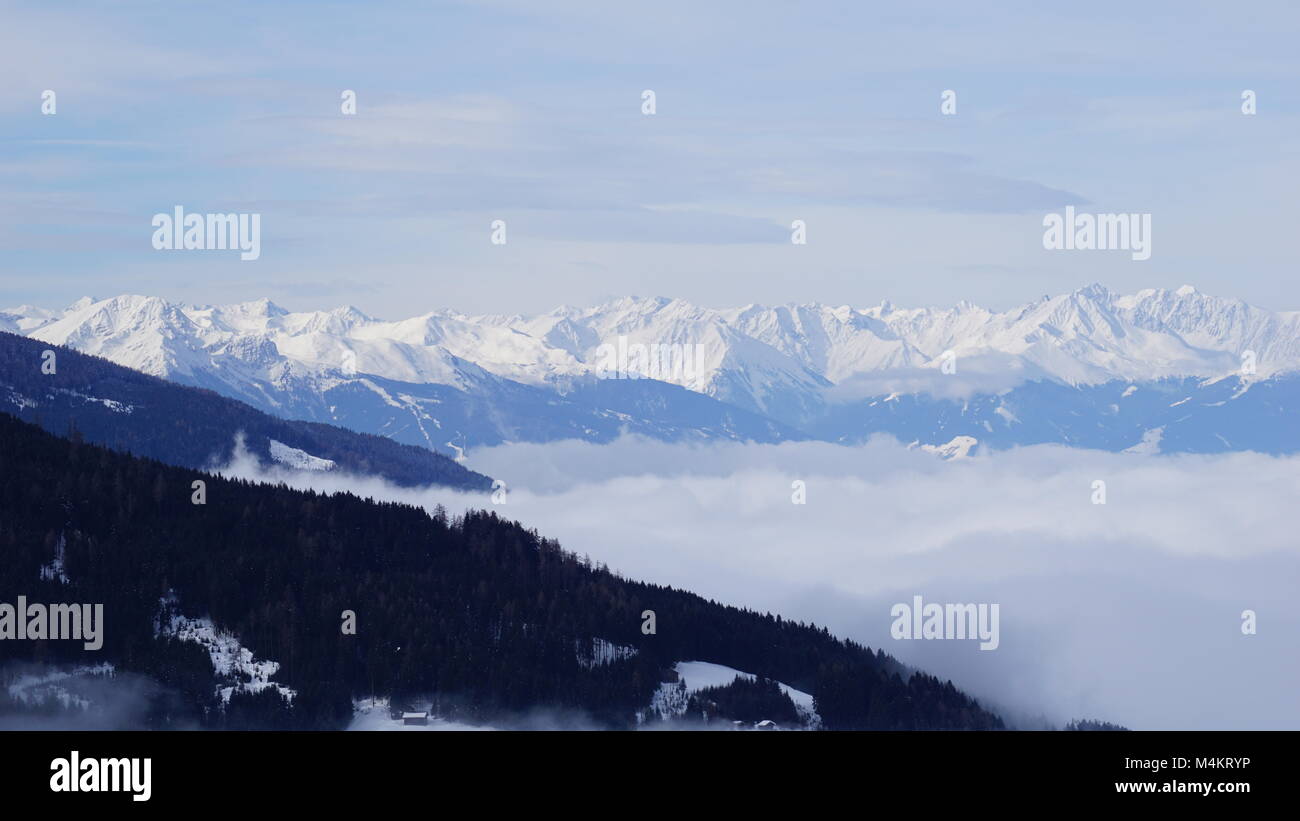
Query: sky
{"x": 765, "y": 113}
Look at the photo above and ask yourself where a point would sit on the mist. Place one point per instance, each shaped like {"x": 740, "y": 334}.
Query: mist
{"x": 81, "y": 697}
{"x": 1128, "y": 611}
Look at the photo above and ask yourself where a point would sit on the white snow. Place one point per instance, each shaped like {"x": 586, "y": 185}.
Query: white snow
{"x": 1150, "y": 443}
{"x": 752, "y": 356}
{"x": 958, "y": 448}
{"x": 669, "y": 701}
{"x": 298, "y": 459}
{"x": 671, "y": 698}
{"x": 231, "y": 661}
{"x": 1006, "y": 414}
{"x": 55, "y": 569}
{"x": 601, "y": 652}
{"x": 460, "y": 452}
{"x": 111, "y": 404}
{"x": 373, "y": 715}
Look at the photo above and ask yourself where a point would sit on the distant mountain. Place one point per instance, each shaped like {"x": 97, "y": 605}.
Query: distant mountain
{"x": 1171, "y": 415}
{"x": 448, "y": 381}
{"x": 235, "y": 611}
{"x": 399, "y": 380}
{"x": 98, "y": 401}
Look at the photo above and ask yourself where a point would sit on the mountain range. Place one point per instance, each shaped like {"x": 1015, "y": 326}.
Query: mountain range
{"x": 90, "y": 399}
{"x": 1172, "y": 370}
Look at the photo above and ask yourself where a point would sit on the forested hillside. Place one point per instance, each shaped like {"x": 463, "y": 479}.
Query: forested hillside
{"x": 477, "y": 609}
{"x": 107, "y": 404}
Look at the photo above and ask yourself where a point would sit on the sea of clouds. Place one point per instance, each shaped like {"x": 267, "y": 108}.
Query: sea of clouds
{"x": 1128, "y": 612}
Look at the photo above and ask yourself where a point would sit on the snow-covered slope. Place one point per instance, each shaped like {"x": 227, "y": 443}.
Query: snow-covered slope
{"x": 235, "y": 666}
{"x": 672, "y": 698}
{"x": 298, "y": 459}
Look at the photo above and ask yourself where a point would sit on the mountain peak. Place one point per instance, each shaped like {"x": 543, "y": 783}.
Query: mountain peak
{"x": 351, "y": 312}
{"x": 1095, "y": 291}
{"x": 263, "y": 307}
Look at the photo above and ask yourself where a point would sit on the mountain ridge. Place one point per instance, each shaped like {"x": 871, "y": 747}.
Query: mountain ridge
{"x": 1179, "y": 332}
{"x": 770, "y": 373}
{"x": 101, "y": 402}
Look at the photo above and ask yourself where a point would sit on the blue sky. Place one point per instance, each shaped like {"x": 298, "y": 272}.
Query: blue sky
{"x": 531, "y": 113}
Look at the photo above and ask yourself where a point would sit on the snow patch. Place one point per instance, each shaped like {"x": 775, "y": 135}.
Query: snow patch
{"x": 958, "y": 448}
{"x": 55, "y": 571}
{"x": 232, "y": 662}
{"x": 375, "y": 714}
{"x": 1150, "y": 443}
{"x": 1006, "y": 414}
{"x": 600, "y": 652}
{"x": 672, "y": 698}
{"x": 298, "y": 459}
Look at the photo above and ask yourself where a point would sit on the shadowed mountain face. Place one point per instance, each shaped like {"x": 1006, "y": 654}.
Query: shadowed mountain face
{"x": 1171, "y": 415}
{"x": 104, "y": 403}
{"x": 479, "y": 610}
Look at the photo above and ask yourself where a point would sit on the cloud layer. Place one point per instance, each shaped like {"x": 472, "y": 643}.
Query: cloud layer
{"x": 1128, "y": 611}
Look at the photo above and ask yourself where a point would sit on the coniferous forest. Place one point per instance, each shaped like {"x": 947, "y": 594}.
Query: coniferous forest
{"x": 476, "y": 610}
{"x": 745, "y": 700}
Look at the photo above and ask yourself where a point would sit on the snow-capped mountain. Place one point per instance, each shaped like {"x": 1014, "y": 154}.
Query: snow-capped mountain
{"x": 768, "y": 373}
{"x": 104, "y": 403}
